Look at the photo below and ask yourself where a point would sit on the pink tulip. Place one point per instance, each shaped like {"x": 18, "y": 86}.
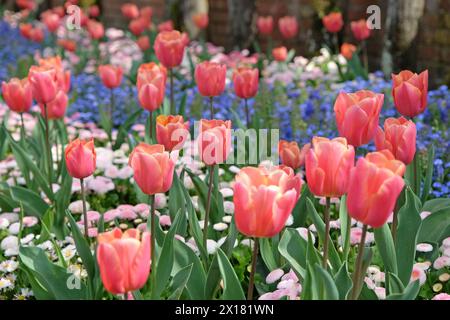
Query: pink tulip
{"x": 43, "y": 84}
{"x": 288, "y": 27}
{"x": 171, "y": 131}
{"x": 291, "y": 155}
{"x": 214, "y": 141}
{"x": 246, "y": 82}
{"x": 137, "y": 26}
{"x": 51, "y": 20}
{"x": 94, "y": 11}
{"x": 333, "y": 22}
{"x": 410, "y": 92}
{"x": 357, "y": 115}
{"x": 264, "y": 199}
{"x": 18, "y": 95}
{"x": 111, "y": 76}
{"x": 143, "y": 43}
{"x": 399, "y": 137}
{"x": 169, "y": 47}
{"x": 124, "y": 260}
{"x": 360, "y": 30}
{"x": 328, "y": 164}
{"x": 56, "y": 109}
{"x": 201, "y": 20}
{"x": 62, "y": 76}
{"x": 153, "y": 168}
{"x": 280, "y": 54}
{"x": 130, "y": 10}
{"x": 95, "y": 29}
{"x": 210, "y": 78}
{"x": 265, "y": 25}
{"x": 80, "y": 158}
{"x": 151, "y": 85}
{"x": 374, "y": 186}
{"x": 165, "y": 26}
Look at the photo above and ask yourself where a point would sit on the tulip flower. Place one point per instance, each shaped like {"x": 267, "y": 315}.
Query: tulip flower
{"x": 147, "y": 13}
{"x": 52, "y": 21}
{"x": 148, "y": 71}
{"x": 43, "y": 83}
{"x": 124, "y": 260}
{"x": 80, "y": 163}
{"x": 25, "y": 30}
{"x": 68, "y": 45}
{"x": 263, "y": 200}
{"x": 375, "y": 184}
{"x": 246, "y": 85}
{"x": 138, "y": 26}
{"x": 130, "y": 11}
{"x": 265, "y": 25}
{"x": 347, "y": 50}
{"x": 291, "y": 155}
{"x": 94, "y": 11}
{"x": 111, "y": 76}
{"x": 143, "y": 43}
{"x": 153, "y": 168}
{"x": 399, "y": 137}
{"x": 210, "y": 78}
{"x": 333, "y": 22}
{"x": 62, "y": 76}
{"x": 288, "y": 27}
{"x": 200, "y": 20}
{"x": 410, "y": 92}
{"x": 360, "y": 30}
{"x": 37, "y": 35}
{"x": 153, "y": 172}
{"x": 26, "y": 4}
{"x": 171, "y": 131}
{"x": 328, "y": 164}
{"x": 214, "y": 143}
{"x": 357, "y": 116}
{"x": 95, "y": 29}
{"x": 280, "y": 54}
{"x": 55, "y": 109}
{"x": 18, "y": 95}
{"x": 169, "y": 49}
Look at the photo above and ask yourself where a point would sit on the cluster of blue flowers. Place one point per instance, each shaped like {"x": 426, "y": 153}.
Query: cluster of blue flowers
{"x": 300, "y": 113}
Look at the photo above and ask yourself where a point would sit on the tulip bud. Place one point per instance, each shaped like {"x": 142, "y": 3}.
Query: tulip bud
{"x": 210, "y": 78}
{"x": 214, "y": 141}
{"x": 360, "y": 30}
{"x": 265, "y": 25}
{"x": 201, "y": 20}
{"x": 169, "y": 47}
{"x": 171, "y": 131}
{"x": 410, "y": 92}
{"x": 18, "y": 95}
{"x": 246, "y": 82}
{"x": 288, "y": 27}
{"x": 333, "y": 22}
{"x": 80, "y": 158}
{"x": 111, "y": 76}
{"x": 280, "y": 54}
{"x": 291, "y": 155}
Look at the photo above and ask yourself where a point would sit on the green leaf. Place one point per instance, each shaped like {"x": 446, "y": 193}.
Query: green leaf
{"x": 327, "y": 286}
{"x": 293, "y": 248}
{"x": 83, "y": 248}
{"x": 179, "y": 282}
{"x": 184, "y": 256}
{"x": 32, "y": 202}
{"x": 410, "y": 293}
{"x": 409, "y": 223}
{"x": 177, "y": 203}
{"x": 395, "y": 285}
{"x": 267, "y": 254}
{"x": 343, "y": 282}
{"x": 436, "y": 205}
{"x": 300, "y": 213}
{"x": 38, "y": 291}
{"x": 125, "y": 128}
{"x": 53, "y": 278}
{"x": 232, "y": 289}
{"x": 435, "y": 227}
{"x": 429, "y": 175}
{"x": 345, "y": 221}
{"x": 386, "y": 247}
{"x": 320, "y": 226}
{"x": 165, "y": 260}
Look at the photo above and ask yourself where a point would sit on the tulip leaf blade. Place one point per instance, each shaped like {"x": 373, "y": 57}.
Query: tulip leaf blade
{"x": 294, "y": 248}
{"x": 125, "y": 128}
{"x": 345, "y": 222}
{"x": 386, "y": 247}
{"x": 177, "y": 202}
{"x": 343, "y": 282}
{"x": 409, "y": 224}
{"x": 267, "y": 254}
{"x": 179, "y": 281}
{"x": 409, "y": 293}
{"x": 435, "y": 227}
{"x": 429, "y": 174}
{"x": 32, "y": 202}
{"x": 393, "y": 284}
{"x": 327, "y": 286}
{"x": 232, "y": 289}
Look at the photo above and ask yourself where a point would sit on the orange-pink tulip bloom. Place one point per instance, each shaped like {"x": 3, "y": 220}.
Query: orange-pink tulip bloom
{"x": 124, "y": 260}
{"x": 153, "y": 168}
{"x": 347, "y": 50}
{"x": 280, "y": 54}
{"x": 130, "y": 10}
{"x": 95, "y": 29}
{"x": 43, "y": 83}
{"x": 357, "y": 115}
{"x": 264, "y": 199}
{"x": 399, "y": 137}
{"x": 171, "y": 131}
{"x": 333, "y": 22}
{"x": 51, "y": 20}
{"x": 265, "y": 25}
{"x": 81, "y": 158}
{"x": 201, "y": 20}
{"x": 169, "y": 47}
{"x": 62, "y": 76}
{"x": 214, "y": 141}
{"x": 410, "y": 92}
{"x": 56, "y": 109}
{"x": 328, "y": 164}
{"x": 210, "y": 78}
{"x": 375, "y": 184}
{"x": 151, "y": 84}
{"x": 17, "y": 94}
{"x": 360, "y": 30}
{"x": 291, "y": 155}
{"x": 288, "y": 27}
{"x": 246, "y": 82}
{"x": 111, "y": 75}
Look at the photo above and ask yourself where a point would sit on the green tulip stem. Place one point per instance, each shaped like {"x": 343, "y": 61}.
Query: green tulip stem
{"x": 152, "y": 228}
{"x": 357, "y": 277}
{"x": 247, "y": 113}
{"x": 251, "y": 282}
{"x": 172, "y": 101}
{"x": 85, "y": 218}
{"x": 48, "y": 147}
{"x": 326, "y": 215}
{"x": 211, "y": 107}
{"x": 208, "y": 206}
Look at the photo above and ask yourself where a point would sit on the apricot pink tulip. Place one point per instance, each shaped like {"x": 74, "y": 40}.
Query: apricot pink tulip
{"x": 288, "y": 27}
{"x": 291, "y": 155}
{"x": 246, "y": 82}
{"x": 95, "y": 29}
{"x": 328, "y": 164}
{"x": 124, "y": 260}
{"x": 210, "y": 78}
{"x": 56, "y": 109}
{"x": 169, "y": 47}
{"x": 43, "y": 83}
{"x": 375, "y": 184}
{"x": 130, "y": 10}
{"x": 171, "y": 131}
{"x": 151, "y": 83}
{"x": 264, "y": 199}
{"x": 333, "y": 22}
{"x": 80, "y": 158}
{"x": 265, "y": 25}
{"x": 153, "y": 168}
{"x": 357, "y": 116}
{"x": 280, "y": 54}
{"x": 360, "y": 30}
{"x": 410, "y": 92}
{"x": 214, "y": 141}
{"x": 399, "y": 137}
{"x": 201, "y": 20}
{"x": 111, "y": 75}
{"x": 17, "y": 94}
